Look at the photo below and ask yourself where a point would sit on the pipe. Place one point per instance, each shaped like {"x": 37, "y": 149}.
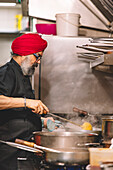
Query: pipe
{"x": 39, "y": 89}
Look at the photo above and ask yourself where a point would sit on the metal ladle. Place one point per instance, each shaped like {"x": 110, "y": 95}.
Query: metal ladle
{"x": 82, "y": 126}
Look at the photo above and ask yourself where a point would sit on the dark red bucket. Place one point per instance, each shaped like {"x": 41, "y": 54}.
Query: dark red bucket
{"x": 46, "y": 29}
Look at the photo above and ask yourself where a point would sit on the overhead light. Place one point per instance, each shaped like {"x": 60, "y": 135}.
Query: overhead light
{"x": 7, "y": 4}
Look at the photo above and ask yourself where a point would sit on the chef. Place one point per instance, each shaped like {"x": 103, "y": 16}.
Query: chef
{"x": 19, "y": 111}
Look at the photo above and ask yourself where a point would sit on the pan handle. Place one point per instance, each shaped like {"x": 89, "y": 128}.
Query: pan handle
{"x": 26, "y": 143}
{"x": 36, "y": 146}
{"x": 23, "y": 147}
{"x": 23, "y": 142}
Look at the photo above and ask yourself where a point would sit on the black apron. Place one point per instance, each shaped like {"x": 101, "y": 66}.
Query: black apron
{"x": 16, "y": 123}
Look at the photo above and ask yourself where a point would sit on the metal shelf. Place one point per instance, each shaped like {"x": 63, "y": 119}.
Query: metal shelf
{"x": 9, "y": 32}
{"x": 100, "y": 55}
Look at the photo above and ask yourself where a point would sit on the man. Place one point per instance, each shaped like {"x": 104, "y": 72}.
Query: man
{"x": 19, "y": 111}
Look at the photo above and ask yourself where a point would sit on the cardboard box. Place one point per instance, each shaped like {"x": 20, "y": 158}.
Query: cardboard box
{"x": 100, "y": 155}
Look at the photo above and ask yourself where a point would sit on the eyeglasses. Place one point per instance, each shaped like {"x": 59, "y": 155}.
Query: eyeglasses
{"x": 38, "y": 57}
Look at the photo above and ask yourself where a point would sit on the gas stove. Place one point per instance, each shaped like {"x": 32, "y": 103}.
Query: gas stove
{"x": 61, "y": 166}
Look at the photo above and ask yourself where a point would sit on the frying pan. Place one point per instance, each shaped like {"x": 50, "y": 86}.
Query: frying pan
{"x": 70, "y": 155}
{"x": 65, "y": 156}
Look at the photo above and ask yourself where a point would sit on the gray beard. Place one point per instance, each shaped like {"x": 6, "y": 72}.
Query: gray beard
{"x": 27, "y": 69}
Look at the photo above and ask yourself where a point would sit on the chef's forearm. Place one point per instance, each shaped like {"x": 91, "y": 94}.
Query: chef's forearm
{"x": 10, "y": 102}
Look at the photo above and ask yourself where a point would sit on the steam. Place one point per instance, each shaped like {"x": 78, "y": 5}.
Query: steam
{"x": 94, "y": 120}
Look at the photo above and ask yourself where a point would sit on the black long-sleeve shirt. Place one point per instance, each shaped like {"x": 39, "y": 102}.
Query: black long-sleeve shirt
{"x": 14, "y": 84}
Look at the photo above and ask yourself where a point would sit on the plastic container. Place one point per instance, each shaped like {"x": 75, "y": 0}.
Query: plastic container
{"x": 67, "y": 24}
{"x": 100, "y": 155}
{"x": 46, "y": 29}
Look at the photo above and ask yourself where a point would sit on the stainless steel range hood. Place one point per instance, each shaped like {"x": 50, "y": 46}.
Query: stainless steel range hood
{"x": 105, "y": 7}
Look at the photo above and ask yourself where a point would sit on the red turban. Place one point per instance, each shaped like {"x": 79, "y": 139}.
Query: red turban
{"x": 28, "y": 44}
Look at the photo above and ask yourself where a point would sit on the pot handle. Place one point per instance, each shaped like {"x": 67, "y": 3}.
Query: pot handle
{"x": 93, "y": 134}
{"x": 88, "y": 144}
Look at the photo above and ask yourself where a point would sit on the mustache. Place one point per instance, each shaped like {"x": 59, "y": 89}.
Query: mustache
{"x": 35, "y": 65}
{"x": 31, "y": 70}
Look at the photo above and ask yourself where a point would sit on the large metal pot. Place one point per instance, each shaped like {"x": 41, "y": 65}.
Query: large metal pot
{"x": 94, "y": 130}
{"x": 107, "y": 127}
{"x": 64, "y": 139}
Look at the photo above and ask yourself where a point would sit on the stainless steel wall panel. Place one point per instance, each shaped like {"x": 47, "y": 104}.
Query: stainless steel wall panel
{"x": 67, "y": 82}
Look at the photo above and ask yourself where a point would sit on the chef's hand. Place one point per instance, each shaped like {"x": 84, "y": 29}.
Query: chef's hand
{"x": 46, "y": 119}
{"x": 36, "y": 106}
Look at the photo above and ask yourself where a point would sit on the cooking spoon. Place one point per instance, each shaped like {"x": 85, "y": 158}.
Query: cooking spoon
{"x": 85, "y": 126}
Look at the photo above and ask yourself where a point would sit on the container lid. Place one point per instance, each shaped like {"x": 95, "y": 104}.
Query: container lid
{"x": 66, "y": 14}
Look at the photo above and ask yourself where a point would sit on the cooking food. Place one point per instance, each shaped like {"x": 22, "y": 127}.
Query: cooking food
{"x": 86, "y": 126}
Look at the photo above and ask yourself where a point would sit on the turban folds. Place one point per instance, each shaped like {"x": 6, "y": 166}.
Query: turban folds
{"x": 28, "y": 44}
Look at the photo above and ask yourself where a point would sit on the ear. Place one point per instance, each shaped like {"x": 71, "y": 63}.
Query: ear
{"x": 41, "y": 52}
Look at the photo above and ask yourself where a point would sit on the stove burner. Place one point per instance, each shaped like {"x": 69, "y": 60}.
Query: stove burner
{"x": 43, "y": 165}
{"x": 62, "y": 166}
